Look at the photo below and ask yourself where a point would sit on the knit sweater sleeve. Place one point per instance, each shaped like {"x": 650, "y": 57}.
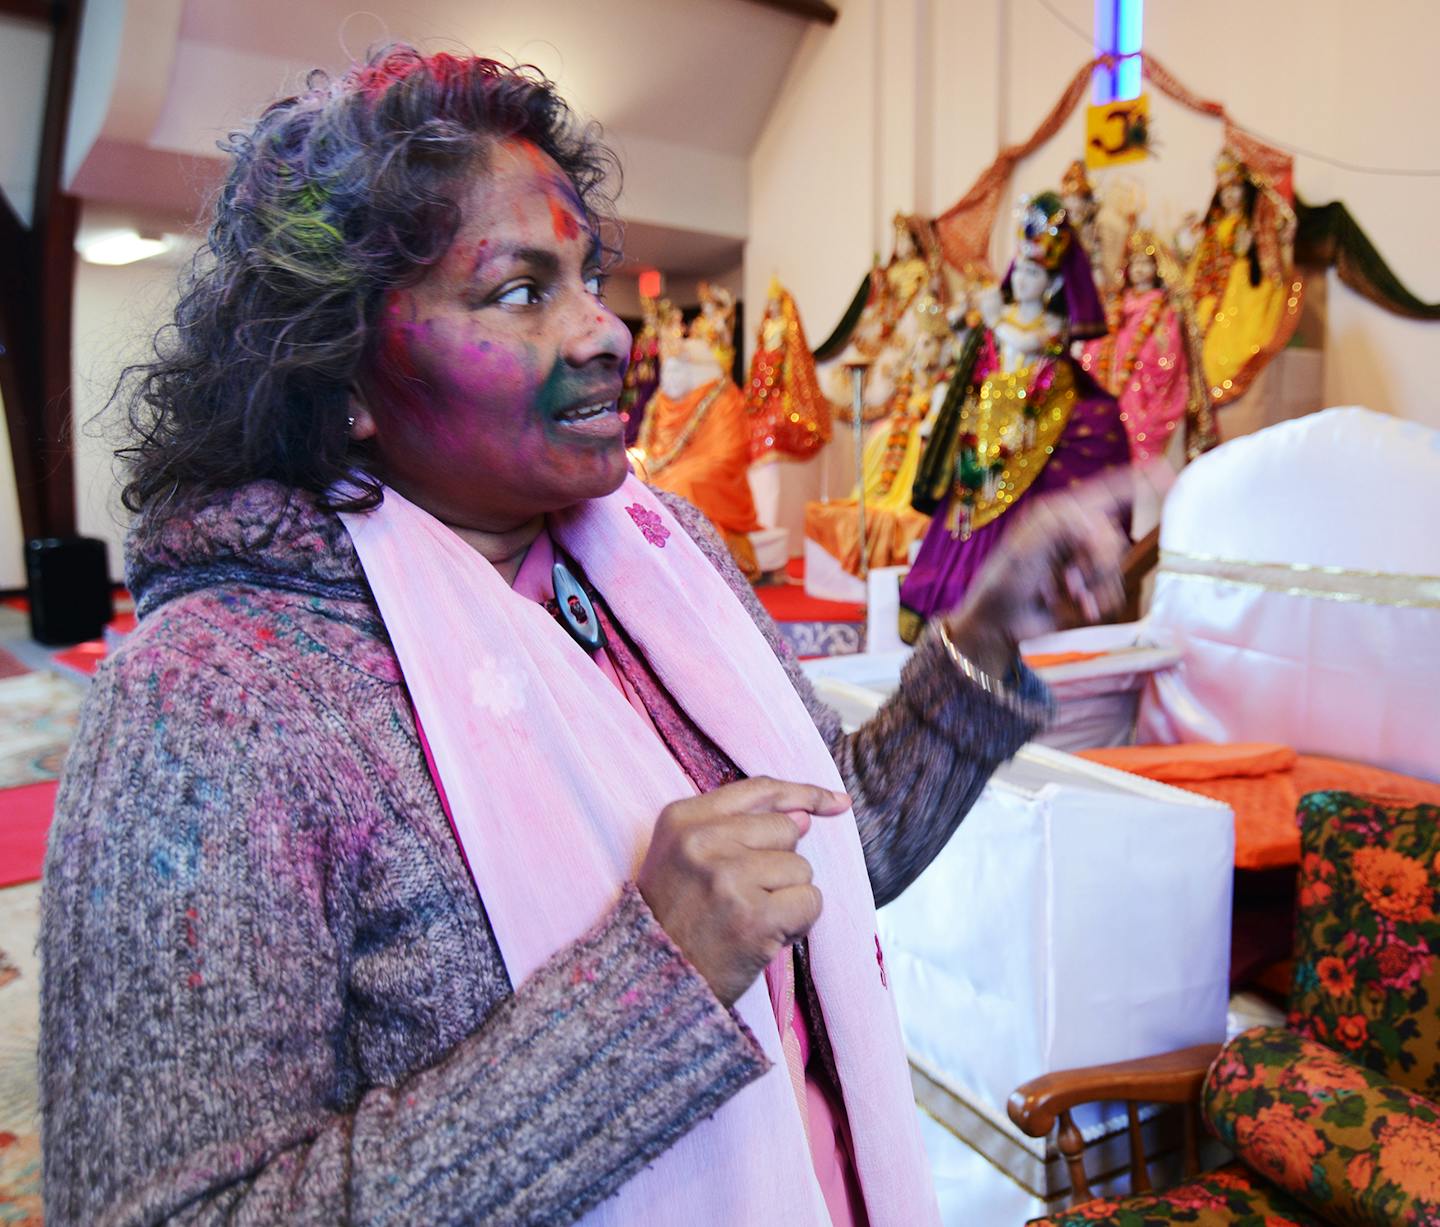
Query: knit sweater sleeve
{"x": 918, "y": 765}
{"x": 198, "y": 1057}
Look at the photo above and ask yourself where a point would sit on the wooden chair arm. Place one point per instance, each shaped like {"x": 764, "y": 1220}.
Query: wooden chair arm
{"x": 1170, "y": 1077}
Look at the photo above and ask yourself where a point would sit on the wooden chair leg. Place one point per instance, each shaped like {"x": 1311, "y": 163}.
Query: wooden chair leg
{"x": 1139, "y": 1170}
{"x": 1190, "y": 1117}
{"x": 1072, "y": 1146}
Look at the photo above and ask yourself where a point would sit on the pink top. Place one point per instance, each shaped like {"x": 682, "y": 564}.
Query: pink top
{"x": 830, "y": 1146}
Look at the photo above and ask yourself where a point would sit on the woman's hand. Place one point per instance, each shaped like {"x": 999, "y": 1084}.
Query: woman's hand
{"x": 1059, "y": 567}
{"x": 725, "y": 882}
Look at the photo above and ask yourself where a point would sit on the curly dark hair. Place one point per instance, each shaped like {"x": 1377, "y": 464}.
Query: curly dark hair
{"x": 339, "y": 195}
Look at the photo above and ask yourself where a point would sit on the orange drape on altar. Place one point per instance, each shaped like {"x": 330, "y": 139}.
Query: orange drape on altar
{"x": 889, "y": 533}
{"x": 1263, "y": 783}
{"x": 711, "y": 469}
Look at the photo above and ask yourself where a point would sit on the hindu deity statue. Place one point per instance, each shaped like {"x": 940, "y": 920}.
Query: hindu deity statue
{"x": 888, "y": 465}
{"x": 1240, "y": 278}
{"x": 642, "y": 375}
{"x": 789, "y": 415}
{"x": 715, "y": 325}
{"x": 1020, "y": 417}
{"x": 905, "y": 373}
{"x": 887, "y": 324}
{"x": 1082, "y": 210}
{"x": 695, "y": 440}
{"x": 1145, "y": 361}
{"x": 909, "y": 268}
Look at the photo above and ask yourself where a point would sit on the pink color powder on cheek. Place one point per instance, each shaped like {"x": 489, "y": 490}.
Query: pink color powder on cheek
{"x": 500, "y": 377}
{"x": 396, "y": 380}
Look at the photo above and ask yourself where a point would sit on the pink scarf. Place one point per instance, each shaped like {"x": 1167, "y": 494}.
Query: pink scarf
{"x": 554, "y": 783}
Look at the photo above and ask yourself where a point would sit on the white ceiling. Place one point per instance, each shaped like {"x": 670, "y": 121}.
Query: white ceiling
{"x": 696, "y": 72}
{"x": 682, "y": 87}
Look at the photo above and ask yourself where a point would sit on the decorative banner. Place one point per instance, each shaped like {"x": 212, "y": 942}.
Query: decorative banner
{"x": 1328, "y": 236}
{"x": 964, "y": 228}
{"x": 1117, "y": 132}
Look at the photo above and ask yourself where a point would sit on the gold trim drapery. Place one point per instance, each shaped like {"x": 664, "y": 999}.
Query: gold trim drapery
{"x": 964, "y": 228}
{"x": 1308, "y": 580}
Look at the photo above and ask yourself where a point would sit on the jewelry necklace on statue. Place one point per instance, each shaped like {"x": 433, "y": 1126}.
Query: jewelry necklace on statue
{"x": 575, "y": 609}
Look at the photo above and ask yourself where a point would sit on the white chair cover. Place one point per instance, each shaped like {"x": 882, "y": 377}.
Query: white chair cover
{"x": 1300, "y": 574}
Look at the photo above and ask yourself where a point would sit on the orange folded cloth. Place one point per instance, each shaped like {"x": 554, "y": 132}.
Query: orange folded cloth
{"x": 1048, "y": 660}
{"x": 1263, "y": 784}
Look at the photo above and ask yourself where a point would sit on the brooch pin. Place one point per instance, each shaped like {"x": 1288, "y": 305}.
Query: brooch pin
{"x": 577, "y": 613}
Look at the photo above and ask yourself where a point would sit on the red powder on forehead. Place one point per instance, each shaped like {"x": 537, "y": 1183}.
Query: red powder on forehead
{"x": 536, "y": 155}
{"x": 479, "y": 256}
{"x": 557, "y": 188}
{"x": 563, "y": 221}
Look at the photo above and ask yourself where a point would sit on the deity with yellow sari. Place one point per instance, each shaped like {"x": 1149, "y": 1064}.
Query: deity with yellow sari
{"x": 892, "y": 452}
{"x": 1241, "y": 279}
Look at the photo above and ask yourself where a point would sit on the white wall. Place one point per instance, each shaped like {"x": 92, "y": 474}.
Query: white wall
{"x": 116, "y": 313}
{"x": 902, "y": 103}
{"x": 12, "y": 536}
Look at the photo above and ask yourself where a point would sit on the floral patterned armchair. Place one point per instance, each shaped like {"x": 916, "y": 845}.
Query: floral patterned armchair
{"x": 1335, "y": 1118}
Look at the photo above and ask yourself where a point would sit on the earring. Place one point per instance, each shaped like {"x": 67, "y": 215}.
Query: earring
{"x": 350, "y": 422}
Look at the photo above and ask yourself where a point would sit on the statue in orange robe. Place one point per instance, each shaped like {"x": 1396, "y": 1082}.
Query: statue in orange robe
{"x": 696, "y": 443}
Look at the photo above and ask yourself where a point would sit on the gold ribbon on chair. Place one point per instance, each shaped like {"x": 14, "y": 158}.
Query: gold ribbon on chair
{"x": 1307, "y": 580}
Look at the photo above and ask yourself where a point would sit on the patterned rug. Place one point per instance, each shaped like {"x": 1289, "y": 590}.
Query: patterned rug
{"x": 37, "y": 720}
{"x": 812, "y": 627}
{"x": 19, "y": 1036}
{"x": 11, "y": 665}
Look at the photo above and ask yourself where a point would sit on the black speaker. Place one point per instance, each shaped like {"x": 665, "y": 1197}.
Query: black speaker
{"x": 70, "y": 598}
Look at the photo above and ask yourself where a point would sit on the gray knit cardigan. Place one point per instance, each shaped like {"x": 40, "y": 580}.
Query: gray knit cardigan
{"x": 270, "y": 992}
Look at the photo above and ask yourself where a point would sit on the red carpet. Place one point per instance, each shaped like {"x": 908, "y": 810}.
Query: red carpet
{"x": 84, "y": 657}
{"x": 787, "y": 602}
{"x": 24, "y": 822}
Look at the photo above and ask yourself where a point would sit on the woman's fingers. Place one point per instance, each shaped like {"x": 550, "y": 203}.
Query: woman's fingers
{"x": 762, "y": 794}
{"x": 769, "y": 832}
{"x": 795, "y": 909}
{"x": 777, "y": 871}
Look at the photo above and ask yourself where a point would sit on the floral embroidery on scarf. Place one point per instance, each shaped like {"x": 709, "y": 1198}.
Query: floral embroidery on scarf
{"x": 880, "y": 959}
{"x": 650, "y": 524}
{"x": 496, "y": 689}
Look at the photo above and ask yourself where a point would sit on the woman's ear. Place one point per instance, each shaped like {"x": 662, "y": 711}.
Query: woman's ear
{"x": 360, "y": 420}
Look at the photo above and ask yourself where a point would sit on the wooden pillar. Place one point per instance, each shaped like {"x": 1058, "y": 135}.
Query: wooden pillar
{"x": 36, "y": 300}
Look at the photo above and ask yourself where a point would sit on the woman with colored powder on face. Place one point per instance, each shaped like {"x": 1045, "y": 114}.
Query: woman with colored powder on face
{"x": 453, "y": 840}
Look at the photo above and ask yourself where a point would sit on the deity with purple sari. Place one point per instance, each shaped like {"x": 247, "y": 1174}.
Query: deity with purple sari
{"x": 1021, "y": 417}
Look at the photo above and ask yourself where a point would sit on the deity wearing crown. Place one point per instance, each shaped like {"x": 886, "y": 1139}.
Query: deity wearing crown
{"x": 789, "y": 415}
{"x": 1020, "y": 418}
{"x": 695, "y": 440}
{"x": 1148, "y": 362}
{"x": 1241, "y": 277}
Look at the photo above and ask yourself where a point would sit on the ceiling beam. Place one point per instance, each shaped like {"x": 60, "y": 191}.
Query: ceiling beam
{"x": 810, "y": 10}
{"x": 28, "y": 10}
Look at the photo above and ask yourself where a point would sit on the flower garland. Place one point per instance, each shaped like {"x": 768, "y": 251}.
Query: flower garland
{"x": 1132, "y": 355}
{"x": 909, "y": 411}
